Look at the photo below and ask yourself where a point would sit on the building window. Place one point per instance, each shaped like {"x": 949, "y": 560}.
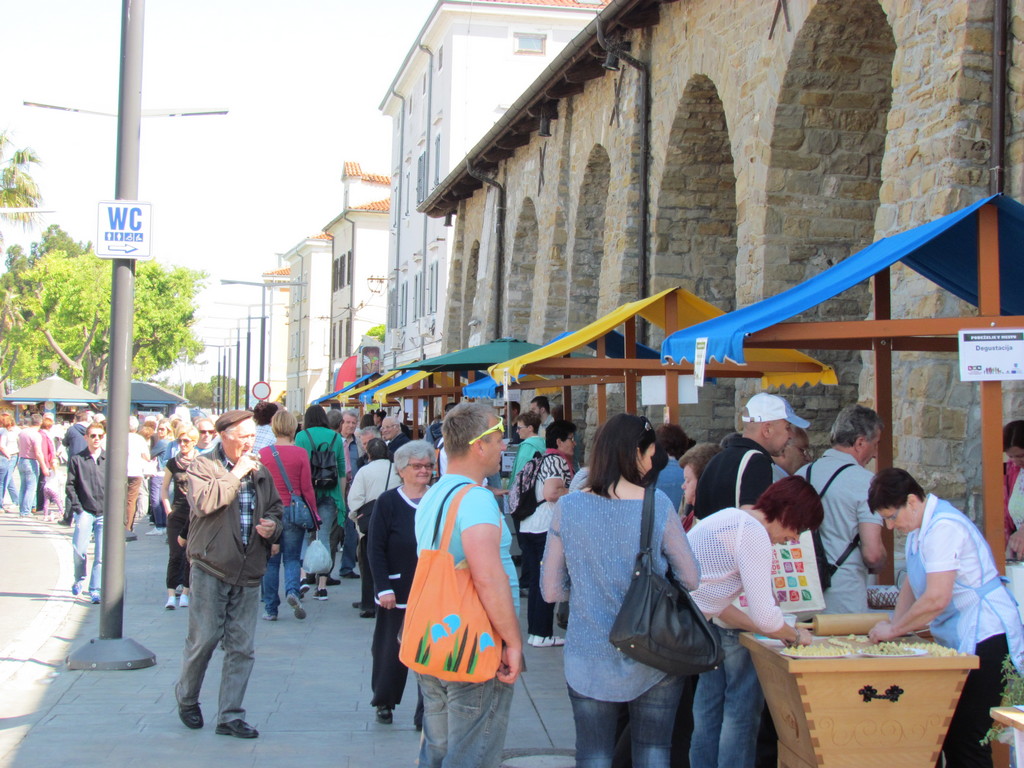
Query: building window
{"x": 433, "y": 288}
{"x": 342, "y": 271}
{"x": 351, "y": 259}
{"x": 392, "y": 308}
{"x": 421, "y": 178}
{"x": 440, "y": 58}
{"x": 416, "y": 297}
{"x": 403, "y": 311}
{"x": 530, "y": 43}
{"x": 437, "y": 160}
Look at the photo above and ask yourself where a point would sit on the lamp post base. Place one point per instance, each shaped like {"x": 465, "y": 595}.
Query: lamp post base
{"x": 109, "y": 654}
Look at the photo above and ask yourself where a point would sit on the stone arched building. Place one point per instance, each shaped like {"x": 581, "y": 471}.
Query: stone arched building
{"x": 766, "y": 141}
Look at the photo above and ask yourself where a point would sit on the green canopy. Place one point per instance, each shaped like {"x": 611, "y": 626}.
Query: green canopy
{"x": 53, "y": 389}
{"x": 474, "y": 358}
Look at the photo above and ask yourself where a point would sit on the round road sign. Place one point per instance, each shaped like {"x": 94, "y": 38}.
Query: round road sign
{"x": 261, "y": 390}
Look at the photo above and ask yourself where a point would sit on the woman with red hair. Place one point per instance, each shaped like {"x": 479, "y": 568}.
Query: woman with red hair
{"x": 734, "y": 550}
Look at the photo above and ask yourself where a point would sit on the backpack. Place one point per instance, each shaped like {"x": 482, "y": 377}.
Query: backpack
{"x": 522, "y": 495}
{"x": 323, "y": 466}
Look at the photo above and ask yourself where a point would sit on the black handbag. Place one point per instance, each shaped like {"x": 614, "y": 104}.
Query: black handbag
{"x": 659, "y": 624}
{"x": 296, "y": 512}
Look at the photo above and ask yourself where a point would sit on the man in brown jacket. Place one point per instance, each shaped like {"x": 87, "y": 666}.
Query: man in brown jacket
{"x": 235, "y": 518}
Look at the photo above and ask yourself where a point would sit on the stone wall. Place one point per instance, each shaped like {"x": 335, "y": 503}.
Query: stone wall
{"x": 771, "y": 159}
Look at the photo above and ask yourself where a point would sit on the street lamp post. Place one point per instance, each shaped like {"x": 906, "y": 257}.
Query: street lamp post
{"x": 263, "y": 313}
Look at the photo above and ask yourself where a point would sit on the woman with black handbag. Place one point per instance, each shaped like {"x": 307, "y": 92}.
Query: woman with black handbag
{"x": 288, "y": 464}
{"x": 592, "y": 542}
{"x": 734, "y": 549}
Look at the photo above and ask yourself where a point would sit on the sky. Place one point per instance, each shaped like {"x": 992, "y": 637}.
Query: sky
{"x": 302, "y": 80}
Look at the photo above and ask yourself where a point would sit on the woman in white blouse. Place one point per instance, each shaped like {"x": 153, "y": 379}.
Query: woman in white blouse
{"x": 954, "y": 588}
{"x": 734, "y": 550}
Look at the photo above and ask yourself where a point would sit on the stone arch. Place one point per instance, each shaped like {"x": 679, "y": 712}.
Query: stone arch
{"x": 588, "y": 246}
{"x": 521, "y": 270}
{"x": 469, "y": 282}
{"x": 694, "y": 243}
{"x": 551, "y": 294}
{"x": 824, "y": 174}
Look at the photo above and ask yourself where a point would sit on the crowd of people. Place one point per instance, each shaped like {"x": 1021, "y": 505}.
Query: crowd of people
{"x": 249, "y": 494}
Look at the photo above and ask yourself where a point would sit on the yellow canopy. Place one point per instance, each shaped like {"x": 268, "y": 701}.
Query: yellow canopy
{"x": 353, "y": 393}
{"x": 690, "y": 310}
{"x": 381, "y": 395}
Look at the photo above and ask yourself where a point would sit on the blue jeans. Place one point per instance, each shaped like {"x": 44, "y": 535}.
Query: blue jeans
{"x": 29, "y": 471}
{"x": 328, "y": 511}
{"x": 651, "y": 717}
{"x": 7, "y": 466}
{"x": 727, "y": 710}
{"x": 348, "y": 548}
{"x": 291, "y": 547}
{"x": 464, "y": 724}
{"x": 86, "y": 524}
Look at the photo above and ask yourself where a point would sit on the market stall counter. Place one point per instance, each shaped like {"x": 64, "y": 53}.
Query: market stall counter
{"x": 843, "y": 707}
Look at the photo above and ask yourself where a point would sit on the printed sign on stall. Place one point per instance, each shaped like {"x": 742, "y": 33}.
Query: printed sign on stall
{"x": 992, "y": 354}
{"x": 795, "y": 579}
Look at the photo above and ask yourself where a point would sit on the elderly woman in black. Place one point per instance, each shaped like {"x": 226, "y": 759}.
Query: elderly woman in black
{"x": 391, "y": 551}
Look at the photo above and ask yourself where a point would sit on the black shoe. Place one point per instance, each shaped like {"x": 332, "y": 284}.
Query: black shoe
{"x": 384, "y": 715}
{"x": 310, "y": 579}
{"x": 191, "y": 715}
{"x": 237, "y": 728}
{"x": 320, "y": 594}
{"x": 303, "y": 590}
{"x": 350, "y": 575}
{"x": 357, "y": 604}
{"x": 332, "y": 582}
{"x": 367, "y": 614}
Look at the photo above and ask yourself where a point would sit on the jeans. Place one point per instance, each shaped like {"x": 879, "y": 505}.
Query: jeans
{"x": 651, "y": 716}
{"x": 219, "y": 614}
{"x": 348, "y": 548}
{"x": 540, "y": 615}
{"x": 7, "y": 466}
{"x": 291, "y": 546}
{"x": 727, "y": 710}
{"x": 29, "y": 471}
{"x": 328, "y": 512}
{"x": 156, "y": 506}
{"x": 86, "y": 524}
{"x": 464, "y": 724}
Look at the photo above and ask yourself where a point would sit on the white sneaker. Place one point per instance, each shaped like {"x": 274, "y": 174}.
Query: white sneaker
{"x": 155, "y": 532}
{"x": 170, "y": 605}
{"x": 183, "y": 601}
{"x": 546, "y": 642}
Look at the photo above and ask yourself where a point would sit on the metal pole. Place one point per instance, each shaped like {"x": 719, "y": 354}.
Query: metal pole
{"x": 216, "y": 385}
{"x": 238, "y": 364}
{"x": 111, "y": 650}
{"x": 248, "y": 358}
{"x": 263, "y": 333}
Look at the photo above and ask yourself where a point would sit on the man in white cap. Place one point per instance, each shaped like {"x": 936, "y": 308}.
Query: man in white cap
{"x": 738, "y": 475}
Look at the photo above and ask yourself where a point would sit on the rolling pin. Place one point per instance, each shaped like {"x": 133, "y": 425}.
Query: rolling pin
{"x": 845, "y": 623}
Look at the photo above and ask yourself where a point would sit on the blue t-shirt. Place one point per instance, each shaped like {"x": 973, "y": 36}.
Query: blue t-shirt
{"x": 478, "y": 507}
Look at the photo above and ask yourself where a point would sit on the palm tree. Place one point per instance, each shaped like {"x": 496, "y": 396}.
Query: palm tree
{"x": 17, "y": 187}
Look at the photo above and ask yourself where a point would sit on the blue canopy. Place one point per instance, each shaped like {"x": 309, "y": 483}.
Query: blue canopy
{"x": 945, "y": 251}
{"x": 362, "y": 379}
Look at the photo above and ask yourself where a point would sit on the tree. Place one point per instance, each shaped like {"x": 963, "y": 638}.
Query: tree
{"x": 377, "y": 332}
{"x": 55, "y": 313}
{"x": 201, "y": 393}
{"x": 17, "y": 187}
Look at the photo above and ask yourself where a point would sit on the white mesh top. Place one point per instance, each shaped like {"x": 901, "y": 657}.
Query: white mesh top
{"x": 735, "y": 555}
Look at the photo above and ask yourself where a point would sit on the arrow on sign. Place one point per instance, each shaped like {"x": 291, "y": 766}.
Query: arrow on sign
{"x": 122, "y": 248}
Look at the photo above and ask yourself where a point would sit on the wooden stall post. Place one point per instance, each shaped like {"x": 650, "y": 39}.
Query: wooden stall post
{"x": 602, "y": 389}
{"x": 630, "y": 375}
{"x": 991, "y": 391}
{"x": 672, "y": 375}
{"x": 883, "y": 404}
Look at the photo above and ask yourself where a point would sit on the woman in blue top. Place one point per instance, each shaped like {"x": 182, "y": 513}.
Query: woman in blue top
{"x": 954, "y": 588}
{"x": 593, "y": 543}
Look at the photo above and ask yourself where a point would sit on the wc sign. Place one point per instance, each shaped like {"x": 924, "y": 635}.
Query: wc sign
{"x": 124, "y": 230}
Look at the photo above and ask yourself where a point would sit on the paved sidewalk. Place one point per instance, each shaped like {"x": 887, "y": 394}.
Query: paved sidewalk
{"x": 309, "y": 694}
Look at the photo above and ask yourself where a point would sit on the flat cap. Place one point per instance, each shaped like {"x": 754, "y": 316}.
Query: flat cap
{"x": 228, "y": 419}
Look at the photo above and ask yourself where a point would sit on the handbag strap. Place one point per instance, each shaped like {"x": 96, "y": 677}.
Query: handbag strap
{"x": 449, "y": 523}
{"x": 647, "y": 521}
{"x": 739, "y": 474}
{"x": 284, "y": 472}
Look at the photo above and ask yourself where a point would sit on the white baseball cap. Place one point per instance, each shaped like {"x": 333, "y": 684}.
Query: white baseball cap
{"x": 765, "y": 407}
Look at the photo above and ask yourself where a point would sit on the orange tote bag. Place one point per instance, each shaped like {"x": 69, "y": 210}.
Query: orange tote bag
{"x": 447, "y": 633}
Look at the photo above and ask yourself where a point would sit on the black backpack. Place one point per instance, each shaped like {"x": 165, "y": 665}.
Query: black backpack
{"x": 522, "y": 495}
{"x": 323, "y": 465}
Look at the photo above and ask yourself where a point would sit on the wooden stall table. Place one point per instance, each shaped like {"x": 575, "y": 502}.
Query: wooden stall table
{"x": 1014, "y": 718}
{"x": 858, "y": 711}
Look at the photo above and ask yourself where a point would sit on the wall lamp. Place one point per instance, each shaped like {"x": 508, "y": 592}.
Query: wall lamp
{"x": 544, "y": 128}
{"x": 611, "y": 61}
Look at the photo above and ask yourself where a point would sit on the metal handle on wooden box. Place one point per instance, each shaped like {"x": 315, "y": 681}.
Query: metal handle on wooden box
{"x": 892, "y": 693}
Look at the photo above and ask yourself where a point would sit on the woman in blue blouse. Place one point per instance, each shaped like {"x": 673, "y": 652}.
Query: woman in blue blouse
{"x": 593, "y": 542}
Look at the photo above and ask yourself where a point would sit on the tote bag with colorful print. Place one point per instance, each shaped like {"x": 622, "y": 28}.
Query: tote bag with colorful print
{"x": 447, "y": 633}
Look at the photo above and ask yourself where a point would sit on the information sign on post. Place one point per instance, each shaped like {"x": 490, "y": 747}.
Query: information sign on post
{"x": 992, "y": 354}
{"x": 124, "y": 230}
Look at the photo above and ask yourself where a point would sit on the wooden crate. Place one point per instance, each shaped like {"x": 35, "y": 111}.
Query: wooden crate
{"x": 823, "y": 719}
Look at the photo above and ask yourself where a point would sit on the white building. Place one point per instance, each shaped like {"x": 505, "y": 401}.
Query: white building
{"x": 309, "y": 320}
{"x": 358, "y": 268}
{"x": 469, "y": 63}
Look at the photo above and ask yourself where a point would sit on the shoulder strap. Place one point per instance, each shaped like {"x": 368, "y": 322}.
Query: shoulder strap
{"x": 284, "y": 473}
{"x": 647, "y": 520}
{"x": 834, "y": 476}
{"x": 739, "y": 474}
{"x": 440, "y": 511}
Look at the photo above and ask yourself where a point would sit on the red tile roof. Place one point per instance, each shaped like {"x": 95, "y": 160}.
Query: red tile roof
{"x": 321, "y": 236}
{"x": 282, "y": 272}
{"x": 355, "y": 170}
{"x": 552, "y": 3}
{"x": 377, "y": 205}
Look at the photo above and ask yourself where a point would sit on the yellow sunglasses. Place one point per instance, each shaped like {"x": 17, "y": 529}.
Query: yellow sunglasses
{"x": 499, "y": 427}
